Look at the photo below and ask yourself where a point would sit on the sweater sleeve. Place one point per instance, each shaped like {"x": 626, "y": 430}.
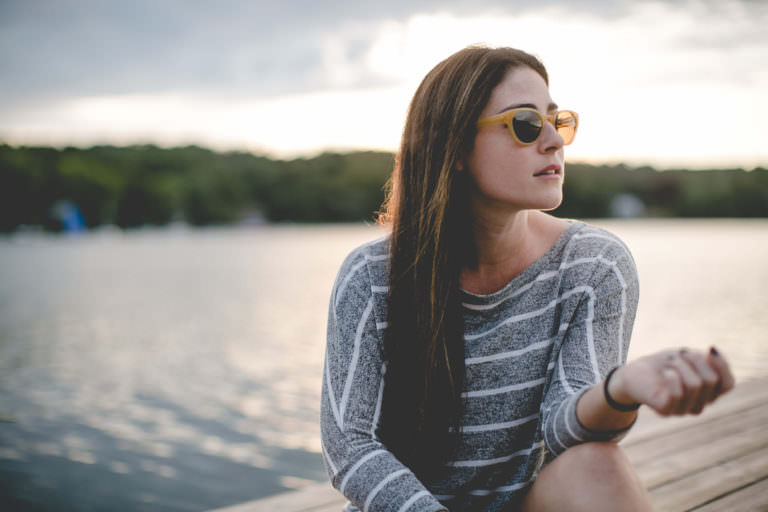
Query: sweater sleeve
{"x": 595, "y": 340}
{"x": 358, "y": 464}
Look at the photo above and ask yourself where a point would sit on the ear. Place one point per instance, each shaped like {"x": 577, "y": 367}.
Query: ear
{"x": 460, "y": 165}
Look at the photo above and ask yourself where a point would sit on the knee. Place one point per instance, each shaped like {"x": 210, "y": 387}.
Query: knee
{"x": 591, "y": 476}
{"x": 601, "y": 460}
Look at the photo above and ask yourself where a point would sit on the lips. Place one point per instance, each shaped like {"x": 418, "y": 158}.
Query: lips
{"x": 549, "y": 170}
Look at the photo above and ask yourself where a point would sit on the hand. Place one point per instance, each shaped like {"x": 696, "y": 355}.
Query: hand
{"x": 673, "y": 381}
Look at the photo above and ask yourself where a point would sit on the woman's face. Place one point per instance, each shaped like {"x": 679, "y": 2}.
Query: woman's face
{"x": 506, "y": 174}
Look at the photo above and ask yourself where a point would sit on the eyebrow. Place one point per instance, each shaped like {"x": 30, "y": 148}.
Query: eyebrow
{"x": 550, "y": 108}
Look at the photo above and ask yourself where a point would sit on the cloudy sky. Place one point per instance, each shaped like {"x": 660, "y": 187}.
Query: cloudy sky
{"x": 667, "y": 83}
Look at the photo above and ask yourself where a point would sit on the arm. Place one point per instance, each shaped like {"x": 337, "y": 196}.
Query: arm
{"x": 670, "y": 382}
{"x": 599, "y": 314}
{"x": 359, "y": 465}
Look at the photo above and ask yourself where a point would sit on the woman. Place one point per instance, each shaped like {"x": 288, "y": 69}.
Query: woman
{"x": 475, "y": 357}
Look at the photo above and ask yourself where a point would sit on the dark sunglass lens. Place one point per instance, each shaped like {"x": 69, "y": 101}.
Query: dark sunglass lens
{"x": 527, "y": 126}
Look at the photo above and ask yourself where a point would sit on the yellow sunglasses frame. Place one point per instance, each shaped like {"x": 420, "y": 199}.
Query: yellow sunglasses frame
{"x": 506, "y": 118}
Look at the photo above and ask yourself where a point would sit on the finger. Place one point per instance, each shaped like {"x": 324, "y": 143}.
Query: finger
{"x": 692, "y": 383}
{"x": 708, "y": 376}
{"x": 666, "y": 402}
{"x": 718, "y": 363}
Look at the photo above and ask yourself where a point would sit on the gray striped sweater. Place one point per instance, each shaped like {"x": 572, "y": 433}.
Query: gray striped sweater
{"x": 532, "y": 348}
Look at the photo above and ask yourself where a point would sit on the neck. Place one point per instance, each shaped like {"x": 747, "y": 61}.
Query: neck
{"x": 505, "y": 246}
{"x": 499, "y": 239}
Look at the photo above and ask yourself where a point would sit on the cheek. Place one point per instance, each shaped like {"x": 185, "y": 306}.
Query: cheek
{"x": 480, "y": 171}
{"x": 484, "y": 158}
{"x": 494, "y": 164}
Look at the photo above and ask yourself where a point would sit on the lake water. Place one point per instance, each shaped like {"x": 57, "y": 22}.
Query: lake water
{"x": 180, "y": 369}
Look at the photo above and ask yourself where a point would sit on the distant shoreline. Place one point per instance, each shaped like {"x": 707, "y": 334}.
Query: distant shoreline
{"x": 74, "y": 189}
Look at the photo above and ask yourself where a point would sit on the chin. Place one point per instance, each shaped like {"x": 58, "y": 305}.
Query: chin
{"x": 553, "y": 207}
{"x": 550, "y": 204}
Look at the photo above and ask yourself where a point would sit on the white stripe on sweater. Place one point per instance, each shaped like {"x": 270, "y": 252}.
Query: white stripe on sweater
{"x": 380, "y": 486}
{"x": 563, "y": 376}
{"x": 486, "y": 492}
{"x": 623, "y": 283}
{"x": 613, "y": 241}
{"x": 590, "y": 333}
{"x": 541, "y": 277}
{"x": 568, "y": 423}
{"x": 498, "y": 426}
{"x": 534, "y": 313}
{"x": 489, "y": 462}
{"x": 410, "y": 501}
{"x": 332, "y": 396}
{"x": 614, "y": 267}
{"x": 504, "y": 389}
{"x": 547, "y": 442}
{"x": 368, "y": 456}
{"x": 503, "y": 488}
{"x": 379, "y": 398}
{"x": 553, "y": 424}
{"x": 355, "y": 357}
{"x": 512, "y": 353}
{"x": 345, "y": 282}
{"x": 328, "y": 459}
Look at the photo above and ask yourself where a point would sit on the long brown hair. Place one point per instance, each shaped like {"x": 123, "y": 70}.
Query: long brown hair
{"x": 428, "y": 208}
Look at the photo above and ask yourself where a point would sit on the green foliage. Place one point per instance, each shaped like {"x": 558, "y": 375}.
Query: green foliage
{"x": 146, "y": 185}
{"x": 590, "y": 191}
{"x": 329, "y": 187}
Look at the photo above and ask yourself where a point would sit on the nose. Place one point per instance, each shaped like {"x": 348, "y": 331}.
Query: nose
{"x": 550, "y": 140}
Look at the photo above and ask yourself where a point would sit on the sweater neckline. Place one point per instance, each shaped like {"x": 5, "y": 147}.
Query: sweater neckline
{"x": 530, "y": 272}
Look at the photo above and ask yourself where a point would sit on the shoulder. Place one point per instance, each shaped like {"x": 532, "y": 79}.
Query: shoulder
{"x": 596, "y": 257}
{"x": 364, "y": 269}
{"x": 373, "y": 253}
{"x": 589, "y": 241}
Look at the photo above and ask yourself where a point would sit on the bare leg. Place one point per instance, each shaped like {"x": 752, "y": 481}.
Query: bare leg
{"x": 589, "y": 477}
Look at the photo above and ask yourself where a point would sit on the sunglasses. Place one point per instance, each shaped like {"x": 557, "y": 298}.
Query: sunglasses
{"x": 527, "y": 124}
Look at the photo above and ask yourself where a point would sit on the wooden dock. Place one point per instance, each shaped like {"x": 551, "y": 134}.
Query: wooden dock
{"x": 717, "y": 461}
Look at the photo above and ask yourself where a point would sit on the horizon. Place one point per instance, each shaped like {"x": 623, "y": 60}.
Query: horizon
{"x": 344, "y": 152}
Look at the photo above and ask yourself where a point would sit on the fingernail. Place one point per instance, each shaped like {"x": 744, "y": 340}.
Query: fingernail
{"x": 714, "y": 351}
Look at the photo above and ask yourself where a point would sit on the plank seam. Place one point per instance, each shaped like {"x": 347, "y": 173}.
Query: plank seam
{"x": 672, "y": 430}
{"x": 714, "y": 463}
{"x": 724, "y": 495}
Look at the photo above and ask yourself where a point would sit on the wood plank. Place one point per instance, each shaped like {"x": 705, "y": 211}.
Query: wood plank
{"x": 696, "y": 435}
{"x": 661, "y": 470}
{"x": 747, "y": 394}
{"x": 753, "y": 498}
{"x": 704, "y": 486}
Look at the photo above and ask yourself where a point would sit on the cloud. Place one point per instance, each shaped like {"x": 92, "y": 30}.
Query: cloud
{"x": 93, "y": 47}
{"x": 90, "y": 47}
{"x": 113, "y": 48}
{"x": 238, "y": 74}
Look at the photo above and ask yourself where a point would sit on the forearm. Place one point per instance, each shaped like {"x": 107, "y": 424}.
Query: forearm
{"x": 670, "y": 382}
{"x": 594, "y": 412}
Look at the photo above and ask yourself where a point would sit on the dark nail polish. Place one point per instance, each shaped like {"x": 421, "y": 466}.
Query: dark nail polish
{"x": 714, "y": 351}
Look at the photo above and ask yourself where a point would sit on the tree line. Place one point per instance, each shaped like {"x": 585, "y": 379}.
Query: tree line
{"x": 146, "y": 185}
